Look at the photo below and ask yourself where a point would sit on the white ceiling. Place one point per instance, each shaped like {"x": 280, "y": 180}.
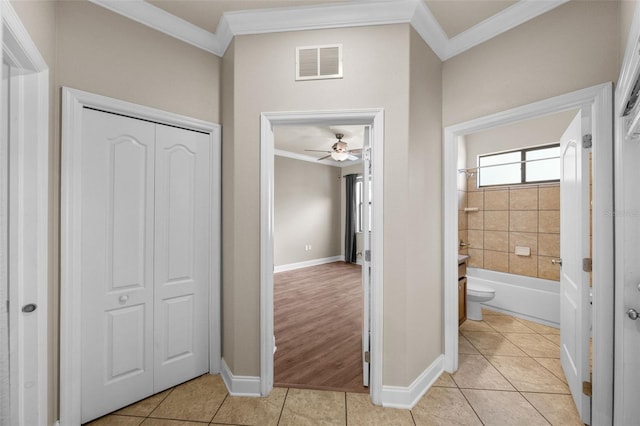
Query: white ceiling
{"x": 297, "y": 139}
{"x": 454, "y": 16}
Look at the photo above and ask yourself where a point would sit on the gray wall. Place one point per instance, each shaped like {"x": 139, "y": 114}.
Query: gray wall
{"x": 307, "y": 211}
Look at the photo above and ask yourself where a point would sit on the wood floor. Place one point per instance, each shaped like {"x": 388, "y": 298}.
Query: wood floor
{"x": 318, "y": 326}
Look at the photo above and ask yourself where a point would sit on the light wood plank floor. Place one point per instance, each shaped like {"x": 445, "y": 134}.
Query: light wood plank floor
{"x": 318, "y": 326}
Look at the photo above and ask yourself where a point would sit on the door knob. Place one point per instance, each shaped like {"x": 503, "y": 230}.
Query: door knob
{"x": 633, "y": 314}
{"x": 123, "y": 299}
{"x": 556, "y": 261}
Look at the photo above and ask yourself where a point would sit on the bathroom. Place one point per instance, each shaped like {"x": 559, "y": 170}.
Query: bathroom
{"x": 509, "y": 220}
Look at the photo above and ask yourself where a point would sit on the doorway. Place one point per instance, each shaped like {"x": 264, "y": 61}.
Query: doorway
{"x": 373, "y": 260}
{"x": 595, "y": 104}
{"x": 318, "y": 281}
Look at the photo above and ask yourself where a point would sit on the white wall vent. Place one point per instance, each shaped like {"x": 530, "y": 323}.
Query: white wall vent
{"x": 319, "y": 62}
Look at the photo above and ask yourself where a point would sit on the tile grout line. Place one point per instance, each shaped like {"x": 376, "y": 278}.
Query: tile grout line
{"x": 283, "y": 403}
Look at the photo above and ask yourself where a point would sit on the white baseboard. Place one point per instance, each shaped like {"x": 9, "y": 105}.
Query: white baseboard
{"x": 307, "y": 263}
{"x": 408, "y": 397}
{"x": 240, "y": 385}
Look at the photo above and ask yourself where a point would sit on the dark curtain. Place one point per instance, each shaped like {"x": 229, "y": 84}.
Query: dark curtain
{"x": 350, "y": 219}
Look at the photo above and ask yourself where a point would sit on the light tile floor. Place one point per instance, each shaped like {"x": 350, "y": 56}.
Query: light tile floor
{"x": 509, "y": 374}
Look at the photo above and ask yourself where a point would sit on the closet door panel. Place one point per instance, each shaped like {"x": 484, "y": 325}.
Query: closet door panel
{"x": 117, "y": 261}
{"x": 182, "y": 255}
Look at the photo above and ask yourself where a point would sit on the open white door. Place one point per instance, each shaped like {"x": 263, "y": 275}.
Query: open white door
{"x": 366, "y": 254}
{"x": 574, "y": 282}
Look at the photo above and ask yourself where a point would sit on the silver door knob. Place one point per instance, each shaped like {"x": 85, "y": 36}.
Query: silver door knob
{"x": 123, "y": 299}
{"x": 556, "y": 261}
{"x": 633, "y": 314}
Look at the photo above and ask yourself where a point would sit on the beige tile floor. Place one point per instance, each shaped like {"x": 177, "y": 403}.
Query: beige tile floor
{"x": 509, "y": 374}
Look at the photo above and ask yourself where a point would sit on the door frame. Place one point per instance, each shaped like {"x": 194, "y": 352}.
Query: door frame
{"x": 375, "y": 119}
{"x": 73, "y": 102}
{"x": 29, "y": 233}
{"x": 599, "y": 99}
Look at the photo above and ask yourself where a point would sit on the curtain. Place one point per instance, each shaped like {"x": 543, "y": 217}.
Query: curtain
{"x": 350, "y": 219}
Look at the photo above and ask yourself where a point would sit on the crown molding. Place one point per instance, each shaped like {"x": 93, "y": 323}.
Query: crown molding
{"x": 310, "y": 159}
{"x": 503, "y": 21}
{"x": 163, "y": 21}
{"x": 335, "y": 15}
{"x": 17, "y": 45}
{"x": 427, "y": 26}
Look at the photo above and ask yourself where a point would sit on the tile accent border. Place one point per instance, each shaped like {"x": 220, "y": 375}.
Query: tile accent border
{"x": 408, "y": 397}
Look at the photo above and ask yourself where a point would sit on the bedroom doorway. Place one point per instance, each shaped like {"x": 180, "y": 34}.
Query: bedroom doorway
{"x": 318, "y": 246}
{"x": 370, "y": 354}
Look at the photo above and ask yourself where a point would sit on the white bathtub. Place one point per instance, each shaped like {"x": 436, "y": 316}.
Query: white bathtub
{"x": 535, "y": 299}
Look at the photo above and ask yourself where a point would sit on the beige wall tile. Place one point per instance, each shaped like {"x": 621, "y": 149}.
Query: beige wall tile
{"x": 549, "y": 245}
{"x": 497, "y": 220}
{"x": 496, "y": 240}
{"x": 523, "y": 221}
{"x": 476, "y": 199}
{"x": 475, "y": 220}
{"x": 476, "y": 239}
{"x": 496, "y": 199}
{"x": 549, "y": 197}
{"x": 523, "y": 265}
{"x": 523, "y": 239}
{"x": 523, "y": 199}
{"x": 496, "y": 261}
{"x": 548, "y": 270}
{"x": 462, "y": 220}
{"x": 549, "y": 221}
{"x": 476, "y": 258}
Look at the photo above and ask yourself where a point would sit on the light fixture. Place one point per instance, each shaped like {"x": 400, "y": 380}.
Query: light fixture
{"x": 339, "y": 156}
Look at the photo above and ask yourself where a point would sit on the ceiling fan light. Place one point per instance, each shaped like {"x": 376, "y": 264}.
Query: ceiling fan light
{"x": 339, "y": 156}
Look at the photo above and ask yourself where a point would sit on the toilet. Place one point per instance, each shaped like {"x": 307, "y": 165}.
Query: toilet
{"x": 476, "y": 294}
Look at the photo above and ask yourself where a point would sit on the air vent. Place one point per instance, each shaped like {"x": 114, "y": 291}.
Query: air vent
{"x": 319, "y": 62}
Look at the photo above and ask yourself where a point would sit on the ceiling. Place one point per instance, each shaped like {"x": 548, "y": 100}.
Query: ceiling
{"x": 297, "y": 139}
{"x": 454, "y": 16}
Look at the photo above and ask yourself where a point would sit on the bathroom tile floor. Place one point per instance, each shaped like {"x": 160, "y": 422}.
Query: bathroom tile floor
{"x": 509, "y": 374}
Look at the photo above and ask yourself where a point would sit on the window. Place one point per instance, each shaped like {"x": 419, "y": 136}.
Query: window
{"x": 359, "y": 205}
{"x": 528, "y": 165}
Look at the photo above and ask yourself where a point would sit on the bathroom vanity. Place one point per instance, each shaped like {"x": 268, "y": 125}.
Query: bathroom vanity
{"x": 462, "y": 288}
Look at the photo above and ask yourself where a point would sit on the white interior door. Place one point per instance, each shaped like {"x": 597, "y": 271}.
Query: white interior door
{"x": 182, "y": 256}
{"x": 627, "y": 343}
{"x": 366, "y": 251}
{"x": 117, "y": 261}
{"x": 574, "y": 282}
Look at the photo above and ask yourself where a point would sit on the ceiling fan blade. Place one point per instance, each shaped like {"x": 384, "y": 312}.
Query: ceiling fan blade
{"x": 325, "y": 157}
{"x": 355, "y": 151}
{"x": 317, "y": 150}
{"x": 352, "y": 158}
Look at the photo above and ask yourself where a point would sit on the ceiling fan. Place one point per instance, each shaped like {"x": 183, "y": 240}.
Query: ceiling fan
{"x": 339, "y": 150}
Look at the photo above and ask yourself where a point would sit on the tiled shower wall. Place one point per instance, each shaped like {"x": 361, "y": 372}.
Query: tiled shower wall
{"x": 507, "y": 217}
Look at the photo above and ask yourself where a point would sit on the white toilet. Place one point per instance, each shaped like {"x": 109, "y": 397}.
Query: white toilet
{"x": 477, "y": 293}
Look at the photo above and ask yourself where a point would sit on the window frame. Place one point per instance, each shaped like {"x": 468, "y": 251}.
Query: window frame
{"x": 523, "y": 170}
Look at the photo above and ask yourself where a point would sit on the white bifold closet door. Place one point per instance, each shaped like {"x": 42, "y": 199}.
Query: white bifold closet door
{"x": 145, "y": 270}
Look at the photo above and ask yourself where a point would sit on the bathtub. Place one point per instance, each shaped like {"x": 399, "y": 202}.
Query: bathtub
{"x": 534, "y": 299}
